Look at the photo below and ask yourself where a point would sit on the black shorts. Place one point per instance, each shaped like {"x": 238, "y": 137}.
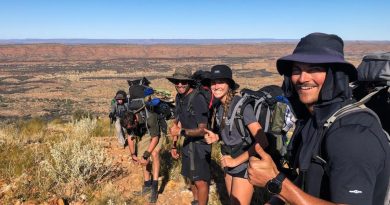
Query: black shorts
{"x": 202, "y": 159}
{"x": 243, "y": 174}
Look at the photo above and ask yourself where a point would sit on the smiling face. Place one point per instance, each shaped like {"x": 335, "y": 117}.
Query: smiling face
{"x": 308, "y": 80}
{"x": 220, "y": 89}
{"x": 119, "y": 101}
{"x": 182, "y": 86}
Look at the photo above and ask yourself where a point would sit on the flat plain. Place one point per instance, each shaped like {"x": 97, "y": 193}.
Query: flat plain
{"x": 53, "y": 80}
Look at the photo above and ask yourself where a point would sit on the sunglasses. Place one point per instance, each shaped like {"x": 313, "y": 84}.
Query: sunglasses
{"x": 183, "y": 82}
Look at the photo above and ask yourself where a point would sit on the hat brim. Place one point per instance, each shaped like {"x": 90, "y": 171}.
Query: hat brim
{"x": 232, "y": 84}
{"x": 284, "y": 64}
{"x": 173, "y": 80}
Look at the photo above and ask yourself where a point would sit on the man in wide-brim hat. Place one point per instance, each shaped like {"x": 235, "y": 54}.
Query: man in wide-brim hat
{"x": 191, "y": 118}
{"x": 345, "y": 163}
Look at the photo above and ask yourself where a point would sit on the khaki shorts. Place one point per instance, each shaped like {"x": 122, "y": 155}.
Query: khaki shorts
{"x": 144, "y": 142}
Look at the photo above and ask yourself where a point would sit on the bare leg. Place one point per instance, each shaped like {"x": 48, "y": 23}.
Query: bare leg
{"x": 203, "y": 191}
{"x": 228, "y": 182}
{"x": 194, "y": 190}
{"x": 242, "y": 191}
{"x": 156, "y": 163}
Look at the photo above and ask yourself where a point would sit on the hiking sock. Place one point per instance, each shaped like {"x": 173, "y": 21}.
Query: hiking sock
{"x": 148, "y": 183}
{"x": 153, "y": 195}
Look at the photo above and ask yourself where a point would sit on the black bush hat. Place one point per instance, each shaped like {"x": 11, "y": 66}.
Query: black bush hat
{"x": 223, "y": 72}
{"x": 317, "y": 48}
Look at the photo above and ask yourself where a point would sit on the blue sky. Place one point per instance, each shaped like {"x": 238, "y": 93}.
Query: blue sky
{"x": 198, "y": 19}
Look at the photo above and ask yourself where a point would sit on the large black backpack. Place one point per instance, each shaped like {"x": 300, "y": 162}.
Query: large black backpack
{"x": 202, "y": 85}
{"x": 273, "y": 112}
{"x": 374, "y": 82}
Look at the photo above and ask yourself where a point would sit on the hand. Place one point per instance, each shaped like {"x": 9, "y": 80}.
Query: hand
{"x": 135, "y": 159}
{"x": 175, "y": 130}
{"x": 260, "y": 171}
{"x": 174, "y": 153}
{"x": 143, "y": 162}
{"x": 210, "y": 136}
{"x": 228, "y": 161}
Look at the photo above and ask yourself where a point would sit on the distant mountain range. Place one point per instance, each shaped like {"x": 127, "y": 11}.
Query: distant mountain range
{"x": 145, "y": 41}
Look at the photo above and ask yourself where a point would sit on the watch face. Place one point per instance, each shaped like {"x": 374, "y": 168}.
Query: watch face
{"x": 273, "y": 187}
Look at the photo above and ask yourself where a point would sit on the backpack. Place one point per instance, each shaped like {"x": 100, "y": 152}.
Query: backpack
{"x": 143, "y": 81}
{"x": 202, "y": 85}
{"x": 165, "y": 111}
{"x": 374, "y": 80}
{"x": 163, "y": 108}
{"x": 141, "y": 109}
{"x": 273, "y": 112}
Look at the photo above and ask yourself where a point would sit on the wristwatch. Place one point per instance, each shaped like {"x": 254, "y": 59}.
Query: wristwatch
{"x": 274, "y": 186}
{"x": 146, "y": 155}
{"x": 182, "y": 132}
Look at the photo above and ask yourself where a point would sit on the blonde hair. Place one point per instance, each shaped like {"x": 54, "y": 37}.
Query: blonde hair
{"x": 226, "y": 106}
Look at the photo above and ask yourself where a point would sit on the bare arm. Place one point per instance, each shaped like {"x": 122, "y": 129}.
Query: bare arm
{"x": 259, "y": 136}
{"x": 257, "y": 133}
{"x": 153, "y": 144}
{"x": 131, "y": 142}
{"x": 199, "y": 131}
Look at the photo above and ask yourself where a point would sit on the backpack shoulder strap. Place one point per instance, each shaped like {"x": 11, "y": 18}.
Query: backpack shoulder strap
{"x": 344, "y": 111}
{"x": 237, "y": 115}
{"x": 191, "y": 98}
{"x": 353, "y": 108}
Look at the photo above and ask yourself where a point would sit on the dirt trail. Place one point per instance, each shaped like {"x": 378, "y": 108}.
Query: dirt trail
{"x": 174, "y": 192}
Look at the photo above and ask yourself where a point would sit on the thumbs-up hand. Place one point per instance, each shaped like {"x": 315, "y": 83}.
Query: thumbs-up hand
{"x": 175, "y": 130}
{"x": 260, "y": 171}
{"x": 210, "y": 136}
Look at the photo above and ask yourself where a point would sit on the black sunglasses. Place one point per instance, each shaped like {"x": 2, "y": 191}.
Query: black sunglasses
{"x": 183, "y": 82}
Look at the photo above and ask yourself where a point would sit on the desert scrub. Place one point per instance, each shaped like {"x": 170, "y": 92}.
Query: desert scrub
{"x": 77, "y": 162}
{"x": 23, "y": 131}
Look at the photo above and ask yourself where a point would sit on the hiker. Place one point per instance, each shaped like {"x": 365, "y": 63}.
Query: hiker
{"x": 144, "y": 141}
{"x": 235, "y": 146}
{"x": 349, "y": 162}
{"x": 190, "y": 120}
{"x": 117, "y": 112}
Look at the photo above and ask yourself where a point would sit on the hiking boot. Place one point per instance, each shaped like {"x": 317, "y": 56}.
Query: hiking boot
{"x": 153, "y": 196}
{"x": 145, "y": 190}
{"x": 194, "y": 202}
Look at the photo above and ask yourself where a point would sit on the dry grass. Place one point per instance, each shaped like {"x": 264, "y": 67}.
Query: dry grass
{"x": 66, "y": 162}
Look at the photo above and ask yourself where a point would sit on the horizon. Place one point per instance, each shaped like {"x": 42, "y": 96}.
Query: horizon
{"x": 85, "y": 41}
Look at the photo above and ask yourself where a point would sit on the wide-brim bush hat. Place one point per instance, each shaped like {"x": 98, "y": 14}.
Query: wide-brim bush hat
{"x": 223, "y": 72}
{"x": 318, "y": 48}
{"x": 181, "y": 74}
